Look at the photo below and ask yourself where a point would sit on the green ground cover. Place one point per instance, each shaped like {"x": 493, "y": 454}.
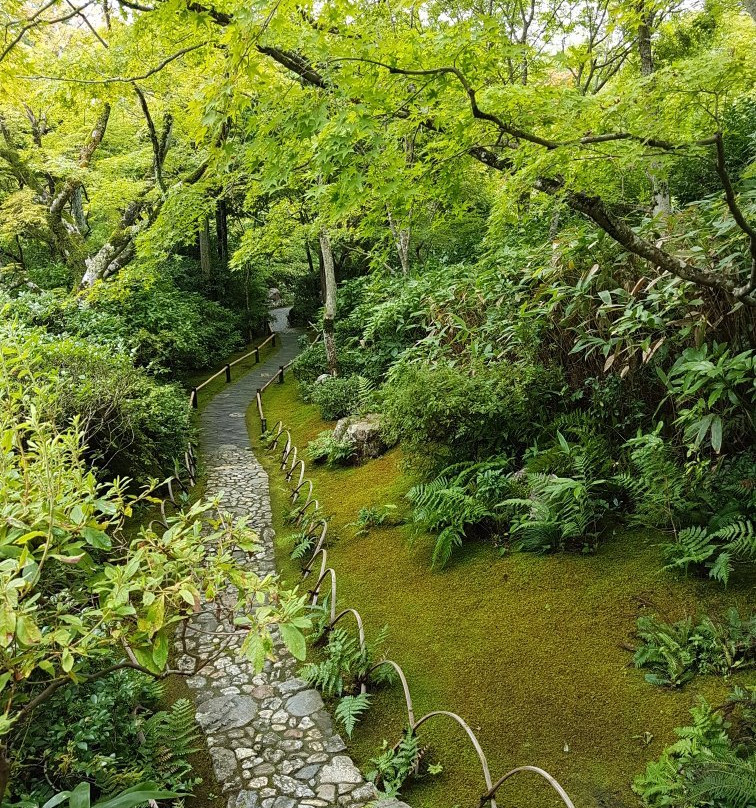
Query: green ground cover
{"x": 530, "y": 650}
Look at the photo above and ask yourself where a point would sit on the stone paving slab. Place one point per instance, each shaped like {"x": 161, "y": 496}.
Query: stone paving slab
{"x": 272, "y": 742}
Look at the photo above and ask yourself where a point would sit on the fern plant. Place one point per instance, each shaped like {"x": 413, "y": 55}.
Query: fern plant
{"x": 170, "y": 738}
{"x": 707, "y": 767}
{"x": 350, "y": 709}
{"x": 560, "y": 511}
{"x": 343, "y": 664}
{"x": 463, "y": 497}
{"x": 676, "y": 652}
{"x": 718, "y": 550}
{"x": 394, "y": 766}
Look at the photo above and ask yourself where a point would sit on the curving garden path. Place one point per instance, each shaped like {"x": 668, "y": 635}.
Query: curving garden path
{"x": 272, "y": 743}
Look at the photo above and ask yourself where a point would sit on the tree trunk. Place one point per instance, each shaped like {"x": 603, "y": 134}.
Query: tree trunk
{"x": 402, "y": 241}
{"x": 204, "y": 249}
{"x": 750, "y": 7}
{"x": 329, "y": 278}
{"x": 662, "y": 204}
{"x": 221, "y": 229}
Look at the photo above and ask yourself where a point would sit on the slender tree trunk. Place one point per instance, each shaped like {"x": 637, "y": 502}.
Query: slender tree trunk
{"x": 662, "y": 203}
{"x": 204, "y": 249}
{"x": 402, "y": 240}
{"x": 221, "y": 230}
{"x": 750, "y": 7}
{"x": 329, "y": 278}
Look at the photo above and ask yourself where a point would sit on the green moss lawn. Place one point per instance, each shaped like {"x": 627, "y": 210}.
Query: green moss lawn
{"x": 529, "y": 650}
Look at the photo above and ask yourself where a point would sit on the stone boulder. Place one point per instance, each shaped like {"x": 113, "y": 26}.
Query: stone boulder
{"x": 365, "y": 432}
{"x": 274, "y": 297}
{"x": 324, "y": 377}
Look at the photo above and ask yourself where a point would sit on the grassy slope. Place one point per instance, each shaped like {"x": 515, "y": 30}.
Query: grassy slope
{"x": 525, "y": 648}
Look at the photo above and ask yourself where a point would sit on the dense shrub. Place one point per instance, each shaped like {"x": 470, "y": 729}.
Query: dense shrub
{"x": 131, "y": 424}
{"x": 338, "y": 396}
{"x": 312, "y": 362}
{"x": 445, "y": 414}
{"x": 164, "y": 329}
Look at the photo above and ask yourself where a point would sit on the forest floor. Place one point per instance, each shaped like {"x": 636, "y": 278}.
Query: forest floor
{"x": 530, "y": 650}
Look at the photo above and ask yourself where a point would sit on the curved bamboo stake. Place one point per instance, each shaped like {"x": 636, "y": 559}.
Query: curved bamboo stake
{"x": 300, "y": 515}
{"x": 295, "y": 492}
{"x": 293, "y": 456}
{"x": 473, "y": 739}
{"x": 357, "y": 617}
{"x": 323, "y": 563}
{"x": 301, "y": 465}
{"x": 319, "y": 546}
{"x": 278, "y": 429}
{"x": 286, "y": 449}
{"x": 405, "y": 686}
{"x": 540, "y": 772}
{"x": 316, "y": 591}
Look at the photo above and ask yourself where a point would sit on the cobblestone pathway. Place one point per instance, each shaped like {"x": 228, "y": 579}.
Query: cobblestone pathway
{"x": 272, "y": 743}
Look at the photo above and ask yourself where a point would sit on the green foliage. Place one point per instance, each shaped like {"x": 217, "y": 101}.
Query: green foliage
{"x": 657, "y": 484}
{"x": 339, "y": 396}
{"x": 394, "y": 766}
{"x": 111, "y": 733}
{"x": 715, "y": 395}
{"x": 80, "y": 797}
{"x": 343, "y": 664}
{"x": 561, "y": 511}
{"x": 708, "y": 765}
{"x": 460, "y": 499}
{"x": 676, "y": 652}
{"x": 716, "y": 550}
{"x": 445, "y": 414}
{"x": 350, "y": 709}
{"x": 375, "y": 516}
{"x": 326, "y": 449}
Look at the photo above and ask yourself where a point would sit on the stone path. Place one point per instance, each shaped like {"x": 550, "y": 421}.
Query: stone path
{"x": 272, "y": 743}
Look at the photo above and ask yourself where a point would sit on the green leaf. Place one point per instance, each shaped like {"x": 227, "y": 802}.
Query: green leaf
{"x": 294, "y": 640}
{"x": 97, "y": 538}
{"x": 80, "y": 797}
{"x": 716, "y": 434}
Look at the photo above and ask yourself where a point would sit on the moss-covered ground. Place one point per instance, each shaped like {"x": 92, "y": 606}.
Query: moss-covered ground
{"x": 528, "y": 649}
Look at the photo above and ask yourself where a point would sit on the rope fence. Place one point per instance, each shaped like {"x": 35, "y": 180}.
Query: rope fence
{"x": 315, "y": 528}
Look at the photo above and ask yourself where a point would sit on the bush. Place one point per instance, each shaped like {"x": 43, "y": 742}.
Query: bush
{"x": 111, "y": 733}
{"x": 339, "y": 396}
{"x": 443, "y": 414}
{"x": 326, "y": 449}
{"x": 167, "y": 330}
{"x": 312, "y": 362}
{"x": 132, "y": 425}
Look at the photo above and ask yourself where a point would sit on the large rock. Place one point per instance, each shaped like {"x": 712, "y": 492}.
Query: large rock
{"x": 223, "y": 713}
{"x": 365, "y": 432}
{"x": 274, "y": 297}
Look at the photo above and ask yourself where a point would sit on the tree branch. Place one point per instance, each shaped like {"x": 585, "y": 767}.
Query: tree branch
{"x": 120, "y": 79}
{"x": 737, "y": 214}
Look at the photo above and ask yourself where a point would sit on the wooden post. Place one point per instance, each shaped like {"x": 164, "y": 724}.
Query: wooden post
{"x": 273, "y": 341}
{"x": 195, "y": 403}
{"x": 257, "y": 356}
{"x": 228, "y": 374}
{"x": 280, "y": 374}
{"x": 264, "y": 425}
